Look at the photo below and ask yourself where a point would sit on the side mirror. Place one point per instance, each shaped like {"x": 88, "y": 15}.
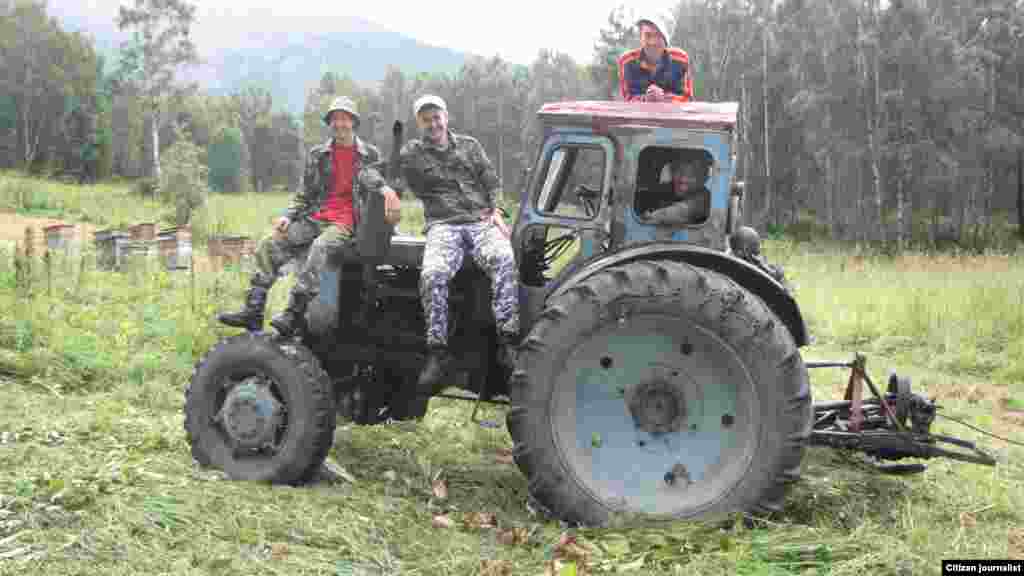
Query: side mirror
{"x": 738, "y": 188}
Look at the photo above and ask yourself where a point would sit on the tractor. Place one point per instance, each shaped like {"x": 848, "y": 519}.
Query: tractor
{"x": 660, "y": 373}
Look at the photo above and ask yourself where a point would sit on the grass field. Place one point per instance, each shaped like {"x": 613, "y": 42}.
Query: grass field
{"x": 97, "y": 477}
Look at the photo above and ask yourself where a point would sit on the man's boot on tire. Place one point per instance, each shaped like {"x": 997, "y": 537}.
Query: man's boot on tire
{"x": 434, "y": 371}
{"x": 250, "y": 316}
{"x": 292, "y": 320}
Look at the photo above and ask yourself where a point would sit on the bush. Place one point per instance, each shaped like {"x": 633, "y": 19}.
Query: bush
{"x": 147, "y": 187}
{"x": 183, "y": 178}
{"x": 225, "y": 157}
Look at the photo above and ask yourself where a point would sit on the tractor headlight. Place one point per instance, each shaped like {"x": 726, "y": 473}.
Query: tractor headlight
{"x": 745, "y": 242}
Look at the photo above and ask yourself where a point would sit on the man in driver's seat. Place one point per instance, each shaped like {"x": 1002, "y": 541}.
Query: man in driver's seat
{"x": 690, "y": 199}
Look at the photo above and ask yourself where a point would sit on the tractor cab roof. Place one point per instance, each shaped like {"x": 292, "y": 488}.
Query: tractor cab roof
{"x": 700, "y": 115}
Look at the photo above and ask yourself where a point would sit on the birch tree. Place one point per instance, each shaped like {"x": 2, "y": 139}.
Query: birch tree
{"x": 160, "y": 46}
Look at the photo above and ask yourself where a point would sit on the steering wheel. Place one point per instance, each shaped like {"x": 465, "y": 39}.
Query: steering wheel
{"x": 589, "y": 197}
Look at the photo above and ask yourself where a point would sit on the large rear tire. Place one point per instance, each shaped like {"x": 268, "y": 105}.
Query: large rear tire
{"x": 260, "y": 409}
{"x": 660, "y": 390}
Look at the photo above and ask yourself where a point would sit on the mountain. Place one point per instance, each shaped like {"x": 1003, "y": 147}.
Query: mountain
{"x": 288, "y": 68}
{"x": 284, "y": 61}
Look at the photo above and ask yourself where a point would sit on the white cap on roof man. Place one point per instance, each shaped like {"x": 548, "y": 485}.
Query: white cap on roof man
{"x": 654, "y": 23}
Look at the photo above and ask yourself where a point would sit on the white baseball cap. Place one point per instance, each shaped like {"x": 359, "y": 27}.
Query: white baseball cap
{"x": 428, "y": 100}
{"x": 658, "y": 25}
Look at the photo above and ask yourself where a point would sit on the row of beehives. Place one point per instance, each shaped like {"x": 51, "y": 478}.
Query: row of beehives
{"x": 171, "y": 246}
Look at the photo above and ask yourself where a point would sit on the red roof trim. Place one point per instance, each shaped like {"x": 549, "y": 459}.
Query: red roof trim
{"x": 710, "y": 115}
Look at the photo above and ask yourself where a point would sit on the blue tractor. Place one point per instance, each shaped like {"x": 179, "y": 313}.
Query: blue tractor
{"x": 660, "y": 374}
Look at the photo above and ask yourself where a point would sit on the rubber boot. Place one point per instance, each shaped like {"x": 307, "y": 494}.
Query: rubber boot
{"x": 292, "y": 320}
{"x": 250, "y": 316}
{"x": 431, "y": 378}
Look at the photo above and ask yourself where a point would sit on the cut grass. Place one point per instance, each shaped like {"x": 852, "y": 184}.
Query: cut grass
{"x": 98, "y": 478}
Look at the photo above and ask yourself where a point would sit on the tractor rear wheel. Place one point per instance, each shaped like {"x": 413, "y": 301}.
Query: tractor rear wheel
{"x": 657, "y": 389}
{"x": 260, "y": 409}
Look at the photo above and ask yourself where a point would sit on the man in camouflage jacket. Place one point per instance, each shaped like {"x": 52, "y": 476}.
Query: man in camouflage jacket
{"x": 321, "y": 218}
{"x": 453, "y": 177}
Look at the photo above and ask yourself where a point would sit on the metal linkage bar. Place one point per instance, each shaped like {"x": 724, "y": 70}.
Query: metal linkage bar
{"x": 828, "y": 364}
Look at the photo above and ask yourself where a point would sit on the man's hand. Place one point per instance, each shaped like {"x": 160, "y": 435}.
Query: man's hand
{"x": 281, "y": 226}
{"x": 498, "y": 221}
{"x": 655, "y": 93}
{"x": 392, "y": 206}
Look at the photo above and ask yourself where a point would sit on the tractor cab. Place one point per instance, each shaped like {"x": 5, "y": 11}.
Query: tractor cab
{"x": 605, "y": 167}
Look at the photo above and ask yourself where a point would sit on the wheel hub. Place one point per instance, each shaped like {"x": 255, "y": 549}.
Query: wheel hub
{"x": 657, "y": 407}
{"x": 251, "y": 414}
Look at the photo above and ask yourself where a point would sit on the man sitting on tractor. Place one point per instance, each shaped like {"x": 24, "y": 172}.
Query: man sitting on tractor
{"x": 322, "y": 217}
{"x": 459, "y": 188}
{"x": 655, "y": 72}
{"x": 690, "y": 199}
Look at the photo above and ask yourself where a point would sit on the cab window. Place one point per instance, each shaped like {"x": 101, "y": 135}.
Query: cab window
{"x": 673, "y": 186}
{"x": 573, "y": 182}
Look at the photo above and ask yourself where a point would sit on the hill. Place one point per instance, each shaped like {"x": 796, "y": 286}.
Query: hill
{"x": 284, "y": 60}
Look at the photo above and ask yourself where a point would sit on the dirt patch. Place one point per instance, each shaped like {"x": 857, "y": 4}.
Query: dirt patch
{"x": 1014, "y": 417}
{"x": 1015, "y": 543}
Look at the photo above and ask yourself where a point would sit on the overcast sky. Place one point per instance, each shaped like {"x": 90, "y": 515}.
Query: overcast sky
{"x": 514, "y": 30}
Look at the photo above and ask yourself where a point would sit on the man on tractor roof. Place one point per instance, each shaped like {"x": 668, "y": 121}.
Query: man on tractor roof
{"x": 655, "y": 72}
{"x": 322, "y": 217}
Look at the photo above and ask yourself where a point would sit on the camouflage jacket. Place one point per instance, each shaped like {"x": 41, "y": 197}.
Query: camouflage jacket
{"x": 457, "y": 184}
{"x": 319, "y": 173}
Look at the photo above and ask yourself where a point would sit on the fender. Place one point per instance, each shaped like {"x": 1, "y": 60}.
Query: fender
{"x": 742, "y": 272}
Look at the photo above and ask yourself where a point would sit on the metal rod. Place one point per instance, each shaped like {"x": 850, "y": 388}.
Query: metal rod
{"x": 885, "y": 405}
{"x": 828, "y": 364}
{"x": 471, "y": 398}
{"x": 840, "y": 404}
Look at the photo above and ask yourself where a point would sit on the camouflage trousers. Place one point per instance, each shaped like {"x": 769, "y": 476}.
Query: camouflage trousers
{"x": 447, "y": 245}
{"x": 319, "y": 239}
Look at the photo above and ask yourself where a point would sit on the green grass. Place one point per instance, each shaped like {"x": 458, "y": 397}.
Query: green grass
{"x": 116, "y": 205}
{"x": 105, "y": 204}
{"x": 98, "y": 478}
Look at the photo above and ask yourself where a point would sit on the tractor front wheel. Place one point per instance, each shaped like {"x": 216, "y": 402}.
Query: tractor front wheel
{"x": 660, "y": 390}
{"x": 259, "y": 409}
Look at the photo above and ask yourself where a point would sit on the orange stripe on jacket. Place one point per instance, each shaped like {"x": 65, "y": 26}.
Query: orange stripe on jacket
{"x": 680, "y": 55}
{"x": 627, "y": 57}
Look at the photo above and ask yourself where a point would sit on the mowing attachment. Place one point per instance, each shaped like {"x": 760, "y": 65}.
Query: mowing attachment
{"x": 892, "y": 426}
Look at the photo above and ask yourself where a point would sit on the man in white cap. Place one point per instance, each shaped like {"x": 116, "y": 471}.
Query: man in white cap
{"x": 655, "y": 72}
{"x": 322, "y": 216}
{"x": 459, "y": 188}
